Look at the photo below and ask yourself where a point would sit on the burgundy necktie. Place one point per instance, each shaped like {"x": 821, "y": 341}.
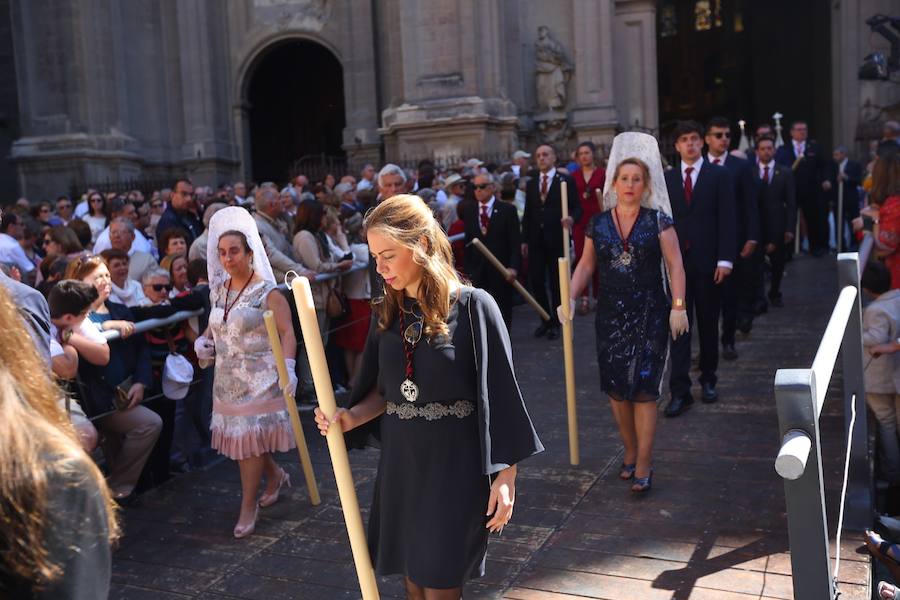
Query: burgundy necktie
{"x": 543, "y": 185}
{"x": 717, "y": 161}
{"x": 485, "y": 219}
{"x": 766, "y": 173}
{"x": 688, "y": 185}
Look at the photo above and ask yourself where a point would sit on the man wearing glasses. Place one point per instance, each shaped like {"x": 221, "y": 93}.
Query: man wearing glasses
{"x": 181, "y": 211}
{"x": 738, "y": 293}
{"x": 63, "y": 211}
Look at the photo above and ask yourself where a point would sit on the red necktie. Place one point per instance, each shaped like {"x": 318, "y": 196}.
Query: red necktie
{"x": 485, "y": 219}
{"x": 766, "y": 173}
{"x": 688, "y": 185}
{"x": 543, "y": 185}
{"x": 717, "y": 161}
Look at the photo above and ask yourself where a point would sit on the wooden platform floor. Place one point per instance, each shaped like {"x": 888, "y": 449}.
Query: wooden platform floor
{"x": 713, "y": 527}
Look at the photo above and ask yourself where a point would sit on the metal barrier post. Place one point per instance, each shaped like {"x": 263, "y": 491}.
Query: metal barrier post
{"x": 795, "y": 398}
{"x": 859, "y": 504}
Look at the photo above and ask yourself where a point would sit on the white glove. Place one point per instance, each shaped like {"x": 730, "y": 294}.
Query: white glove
{"x": 559, "y": 312}
{"x": 678, "y": 323}
{"x": 206, "y": 351}
{"x": 291, "y": 387}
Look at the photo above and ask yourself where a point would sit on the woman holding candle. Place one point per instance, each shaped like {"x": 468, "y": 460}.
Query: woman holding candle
{"x": 249, "y": 420}
{"x": 437, "y": 387}
{"x": 632, "y": 245}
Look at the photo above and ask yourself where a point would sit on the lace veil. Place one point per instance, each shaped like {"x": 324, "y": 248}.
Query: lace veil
{"x": 234, "y": 218}
{"x": 633, "y": 144}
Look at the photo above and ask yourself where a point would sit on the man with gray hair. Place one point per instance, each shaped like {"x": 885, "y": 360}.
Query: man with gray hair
{"x": 366, "y": 177}
{"x": 391, "y": 182}
{"x": 274, "y": 233}
{"x": 122, "y": 237}
{"x": 120, "y": 208}
{"x": 850, "y": 172}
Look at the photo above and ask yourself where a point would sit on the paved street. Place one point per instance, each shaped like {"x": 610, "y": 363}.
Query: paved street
{"x": 713, "y": 526}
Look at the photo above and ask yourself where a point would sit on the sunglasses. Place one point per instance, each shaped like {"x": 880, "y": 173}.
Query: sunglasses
{"x": 158, "y": 287}
{"x": 482, "y": 186}
{"x": 63, "y": 206}
{"x": 720, "y": 134}
{"x": 96, "y": 199}
{"x": 46, "y": 242}
{"x": 155, "y": 204}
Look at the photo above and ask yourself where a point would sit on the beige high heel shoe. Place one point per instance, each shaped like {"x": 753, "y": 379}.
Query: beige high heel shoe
{"x": 269, "y": 499}
{"x": 242, "y": 532}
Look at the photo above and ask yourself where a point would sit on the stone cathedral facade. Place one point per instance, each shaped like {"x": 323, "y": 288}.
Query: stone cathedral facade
{"x": 119, "y": 90}
{"x": 114, "y": 90}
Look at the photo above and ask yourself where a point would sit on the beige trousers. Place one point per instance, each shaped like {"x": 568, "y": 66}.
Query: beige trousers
{"x": 128, "y": 438}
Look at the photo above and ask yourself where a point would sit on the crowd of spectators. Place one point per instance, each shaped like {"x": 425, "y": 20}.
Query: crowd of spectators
{"x": 106, "y": 261}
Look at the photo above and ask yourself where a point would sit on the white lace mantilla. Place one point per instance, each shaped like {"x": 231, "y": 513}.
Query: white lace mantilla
{"x": 432, "y": 411}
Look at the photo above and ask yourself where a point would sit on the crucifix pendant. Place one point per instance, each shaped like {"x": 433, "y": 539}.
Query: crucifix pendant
{"x": 409, "y": 390}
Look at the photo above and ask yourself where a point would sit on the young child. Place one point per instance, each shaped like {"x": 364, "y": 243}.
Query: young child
{"x": 881, "y": 326}
{"x": 69, "y": 302}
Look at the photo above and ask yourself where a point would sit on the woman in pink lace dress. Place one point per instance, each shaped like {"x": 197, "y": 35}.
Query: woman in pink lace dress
{"x": 249, "y": 420}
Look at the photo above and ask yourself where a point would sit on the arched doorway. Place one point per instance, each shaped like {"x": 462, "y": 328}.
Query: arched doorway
{"x": 296, "y": 108}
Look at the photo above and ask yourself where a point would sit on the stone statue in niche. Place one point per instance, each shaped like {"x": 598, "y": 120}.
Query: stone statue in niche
{"x": 552, "y": 71}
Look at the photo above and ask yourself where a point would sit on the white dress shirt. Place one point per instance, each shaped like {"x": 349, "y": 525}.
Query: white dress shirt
{"x": 11, "y": 252}
{"x": 762, "y": 170}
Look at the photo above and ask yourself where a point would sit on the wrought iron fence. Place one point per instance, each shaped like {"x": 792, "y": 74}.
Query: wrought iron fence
{"x": 146, "y": 185}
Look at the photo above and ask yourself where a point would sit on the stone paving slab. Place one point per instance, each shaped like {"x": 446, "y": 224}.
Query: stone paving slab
{"x": 713, "y": 526}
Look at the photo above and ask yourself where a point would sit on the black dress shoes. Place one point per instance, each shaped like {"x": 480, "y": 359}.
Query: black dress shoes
{"x": 553, "y": 332}
{"x": 710, "y": 394}
{"x": 678, "y": 405}
{"x": 542, "y": 329}
{"x": 744, "y": 325}
{"x": 776, "y": 301}
{"x": 728, "y": 352}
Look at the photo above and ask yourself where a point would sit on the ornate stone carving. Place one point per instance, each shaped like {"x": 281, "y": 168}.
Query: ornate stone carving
{"x": 308, "y": 15}
{"x": 554, "y": 129}
{"x": 552, "y": 71}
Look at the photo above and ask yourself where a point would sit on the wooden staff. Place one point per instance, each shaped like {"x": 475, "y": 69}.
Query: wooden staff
{"x": 335, "y": 438}
{"x": 569, "y": 360}
{"x": 291, "y": 405}
{"x": 515, "y": 283}
{"x": 564, "y": 201}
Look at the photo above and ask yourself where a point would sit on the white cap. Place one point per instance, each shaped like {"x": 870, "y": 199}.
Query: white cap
{"x": 521, "y": 154}
{"x": 178, "y": 373}
{"x": 474, "y": 163}
{"x": 452, "y": 180}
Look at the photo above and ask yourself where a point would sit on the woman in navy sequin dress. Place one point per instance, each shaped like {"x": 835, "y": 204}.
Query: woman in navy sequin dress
{"x": 626, "y": 246}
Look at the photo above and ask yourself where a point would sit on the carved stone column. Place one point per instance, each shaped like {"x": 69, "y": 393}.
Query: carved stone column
{"x": 634, "y": 73}
{"x": 453, "y": 82}
{"x": 594, "y": 116}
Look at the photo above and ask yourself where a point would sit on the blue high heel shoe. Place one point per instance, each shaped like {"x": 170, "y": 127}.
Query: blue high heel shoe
{"x": 626, "y": 471}
{"x": 642, "y": 485}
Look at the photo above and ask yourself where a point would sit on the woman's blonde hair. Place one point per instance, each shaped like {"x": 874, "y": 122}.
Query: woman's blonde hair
{"x": 406, "y": 220}
{"x": 38, "y": 442}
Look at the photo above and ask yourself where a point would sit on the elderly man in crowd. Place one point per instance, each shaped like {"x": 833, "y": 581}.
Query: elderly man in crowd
{"x": 125, "y": 290}
{"x": 12, "y": 227}
{"x": 275, "y": 234}
{"x": 119, "y": 208}
{"x": 391, "y": 182}
{"x": 366, "y": 177}
{"x": 122, "y": 236}
{"x": 455, "y": 187}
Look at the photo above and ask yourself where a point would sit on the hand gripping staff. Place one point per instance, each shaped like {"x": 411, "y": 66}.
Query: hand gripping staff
{"x": 335, "y": 438}
{"x": 291, "y": 406}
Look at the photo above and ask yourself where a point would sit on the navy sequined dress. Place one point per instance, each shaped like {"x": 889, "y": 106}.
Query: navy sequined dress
{"x": 632, "y": 308}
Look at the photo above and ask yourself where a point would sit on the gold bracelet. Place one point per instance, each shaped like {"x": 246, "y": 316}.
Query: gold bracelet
{"x": 678, "y": 302}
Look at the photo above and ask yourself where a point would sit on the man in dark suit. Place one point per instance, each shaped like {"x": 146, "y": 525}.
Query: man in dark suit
{"x": 778, "y": 212}
{"x": 542, "y": 238}
{"x": 850, "y": 172}
{"x": 496, "y": 224}
{"x": 808, "y": 162}
{"x": 737, "y": 291}
{"x": 702, "y": 197}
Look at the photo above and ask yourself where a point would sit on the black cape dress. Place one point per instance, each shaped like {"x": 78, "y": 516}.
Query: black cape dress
{"x": 438, "y": 453}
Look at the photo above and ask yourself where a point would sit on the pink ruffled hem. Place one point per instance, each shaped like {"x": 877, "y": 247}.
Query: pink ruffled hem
{"x": 253, "y": 443}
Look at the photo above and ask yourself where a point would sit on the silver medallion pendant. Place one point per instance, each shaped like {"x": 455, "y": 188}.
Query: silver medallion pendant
{"x": 625, "y": 258}
{"x": 409, "y": 390}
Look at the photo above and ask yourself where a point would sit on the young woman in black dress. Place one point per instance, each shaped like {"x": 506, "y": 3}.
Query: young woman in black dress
{"x": 438, "y": 390}
{"x": 627, "y": 245}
